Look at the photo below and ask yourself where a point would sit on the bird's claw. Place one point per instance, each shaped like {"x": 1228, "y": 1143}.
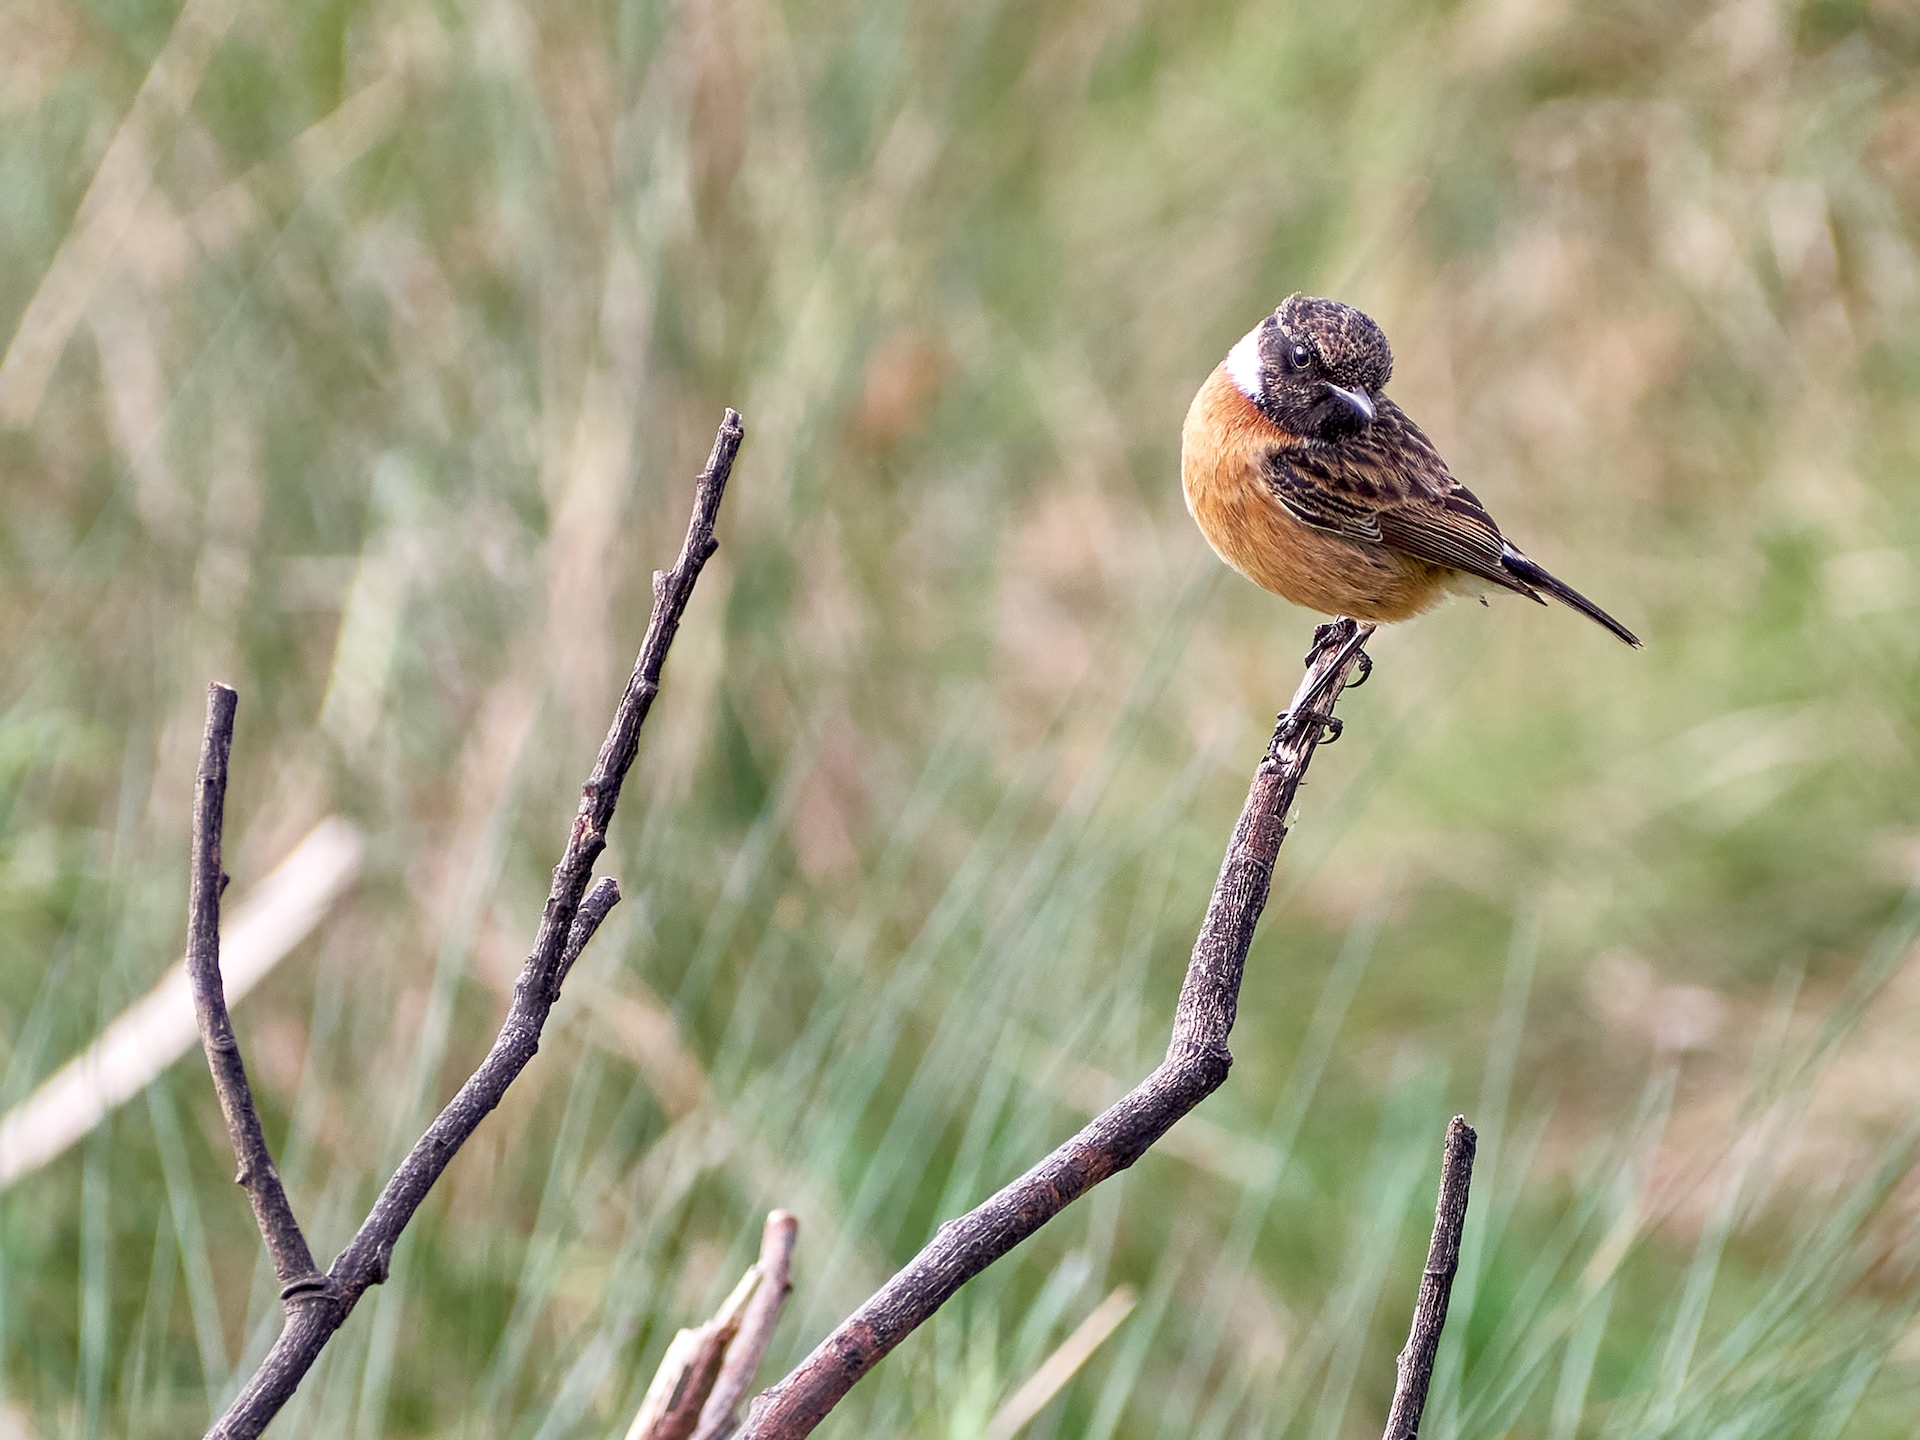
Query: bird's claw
{"x": 1323, "y": 636}
{"x": 1329, "y": 634}
{"x": 1294, "y": 725}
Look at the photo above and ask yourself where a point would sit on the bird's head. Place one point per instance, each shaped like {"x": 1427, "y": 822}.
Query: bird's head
{"x": 1314, "y": 367}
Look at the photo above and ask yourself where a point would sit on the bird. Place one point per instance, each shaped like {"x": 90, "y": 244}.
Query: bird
{"x": 1307, "y": 479}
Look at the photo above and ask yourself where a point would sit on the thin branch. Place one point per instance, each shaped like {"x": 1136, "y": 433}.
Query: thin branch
{"x": 272, "y": 1212}
{"x": 1415, "y": 1362}
{"x": 678, "y": 1395}
{"x": 567, "y": 923}
{"x": 1196, "y": 1064}
{"x": 706, "y": 1370}
{"x": 717, "y": 1418}
{"x": 586, "y": 921}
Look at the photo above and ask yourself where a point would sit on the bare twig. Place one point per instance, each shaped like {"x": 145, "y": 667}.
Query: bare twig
{"x": 707, "y": 1369}
{"x": 1415, "y": 1363}
{"x": 272, "y": 1212}
{"x": 571, "y": 916}
{"x": 717, "y": 1417}
{"x": 687, "y": 1372}
{"x": 1196, "y": 1064}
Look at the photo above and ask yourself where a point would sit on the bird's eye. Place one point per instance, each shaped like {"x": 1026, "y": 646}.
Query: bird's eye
{"x": 1301, "y": 357}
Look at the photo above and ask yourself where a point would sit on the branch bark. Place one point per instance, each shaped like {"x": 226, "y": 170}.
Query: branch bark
{"x": 1195, "y": 1065}
{"x": 689, "y": 1369}
{"x": 317, "y": 1305}
{"x": 717, "y": 1417}
{"x": 1415, "y": 1363}
{"x": 707, "y": 1369}
{"x": 272, "y": 1212}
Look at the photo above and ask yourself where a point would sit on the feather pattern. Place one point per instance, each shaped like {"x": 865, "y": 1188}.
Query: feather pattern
{"x": 1387, "y": 485}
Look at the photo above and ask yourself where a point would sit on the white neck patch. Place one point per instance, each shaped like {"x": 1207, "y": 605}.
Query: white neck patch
{"x": 1243, "y": 363}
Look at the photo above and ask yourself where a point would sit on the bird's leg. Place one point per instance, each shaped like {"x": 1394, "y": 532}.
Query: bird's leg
{"x": 1323, "y": 636}
{"x": 1329, "y": 634}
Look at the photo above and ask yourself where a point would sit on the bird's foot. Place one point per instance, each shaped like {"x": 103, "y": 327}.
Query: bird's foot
{"x": 1295, "y": 725}
{"x": 1330, "y": 634}
{"x": 1323, "y": 636}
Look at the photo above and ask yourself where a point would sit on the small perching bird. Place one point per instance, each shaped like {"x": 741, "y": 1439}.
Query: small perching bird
{"x": 1310, "y": 482}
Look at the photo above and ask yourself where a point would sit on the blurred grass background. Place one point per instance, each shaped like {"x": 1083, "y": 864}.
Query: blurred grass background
{"x": 361, "y": 353}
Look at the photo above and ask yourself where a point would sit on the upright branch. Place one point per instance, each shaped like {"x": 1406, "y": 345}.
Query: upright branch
{"x": 706, "y": 1370}
{"x": 1196, "y": 1064}
{"x": 718, "y": 1419}
{"x": 1415, "y": 1363}
{"x": 317, "y": 1306}
{"x": 286, "y": 1246}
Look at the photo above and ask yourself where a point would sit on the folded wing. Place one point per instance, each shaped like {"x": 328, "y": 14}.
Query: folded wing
{"x": 1388, "y": 486}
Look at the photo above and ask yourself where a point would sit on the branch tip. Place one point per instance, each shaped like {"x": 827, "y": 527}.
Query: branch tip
{"x": 719, "y": 1416}
{"x": 1414, "y": 1366}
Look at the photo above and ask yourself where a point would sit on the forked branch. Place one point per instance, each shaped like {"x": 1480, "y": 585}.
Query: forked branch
{"x": 1195, "y": 1066}
{"x": 317, "y": 1305}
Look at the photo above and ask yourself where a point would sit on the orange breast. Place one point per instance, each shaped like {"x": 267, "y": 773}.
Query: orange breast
{"x": 1222, "y": 448}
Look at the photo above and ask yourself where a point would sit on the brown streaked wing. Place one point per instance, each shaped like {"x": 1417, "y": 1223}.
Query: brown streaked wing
{"x": 1450, "y": 530}
{"x": 1388, "y": 486}
{"x": 1314, "y": 501}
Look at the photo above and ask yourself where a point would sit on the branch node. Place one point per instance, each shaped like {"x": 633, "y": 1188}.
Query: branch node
{"x": 1208, "y": 1061}
{"x": 308, "y": 1286}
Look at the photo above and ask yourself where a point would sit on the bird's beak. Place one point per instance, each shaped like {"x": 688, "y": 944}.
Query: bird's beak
{"x": 1354, "y": 400}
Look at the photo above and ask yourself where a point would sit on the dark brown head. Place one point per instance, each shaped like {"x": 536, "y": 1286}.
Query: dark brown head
{"x": 1314, "y": 367}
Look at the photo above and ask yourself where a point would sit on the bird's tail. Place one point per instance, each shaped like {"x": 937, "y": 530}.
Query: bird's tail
{"x": 1526, "y": 571}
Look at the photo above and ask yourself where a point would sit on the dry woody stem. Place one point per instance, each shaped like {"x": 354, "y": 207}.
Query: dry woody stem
{"x": 286, "y": 1246}
{"x": 316, "y": 1304}
{"x": 707, "y": 1370}
{"x": 1196, "y": 1065}
{"x": 1415, "y": 1363}
{"x": 719, "y": 1417}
